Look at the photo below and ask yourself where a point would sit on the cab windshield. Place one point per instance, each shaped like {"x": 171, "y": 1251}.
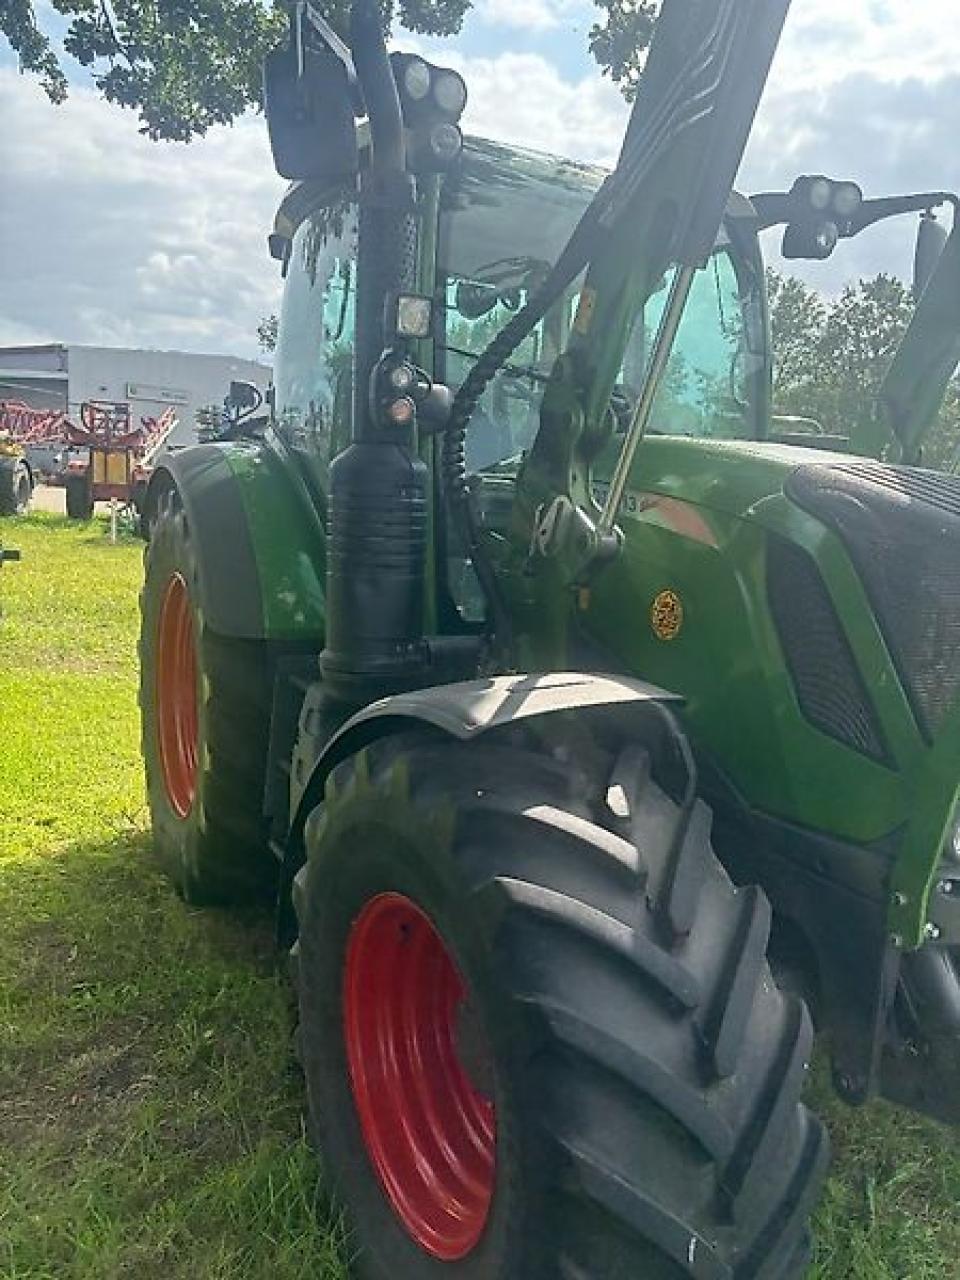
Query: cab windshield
{"x": 503, "y": 220}
{"x": 706, "y": 393}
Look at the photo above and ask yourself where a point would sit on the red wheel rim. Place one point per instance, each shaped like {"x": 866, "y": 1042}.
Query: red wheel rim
{"x": 177, "y": 730}
{"x": 429, "y": 1132}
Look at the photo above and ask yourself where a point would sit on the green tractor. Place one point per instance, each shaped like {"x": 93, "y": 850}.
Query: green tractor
{"x": 586, "y": 723}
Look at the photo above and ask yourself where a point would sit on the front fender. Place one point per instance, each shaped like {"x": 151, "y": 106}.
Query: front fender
{"x": 463, "y": 710}
{"x": 259, "y": 538}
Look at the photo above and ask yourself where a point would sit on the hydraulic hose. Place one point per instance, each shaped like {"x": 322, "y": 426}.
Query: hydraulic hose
{"x": 568, "y": 266}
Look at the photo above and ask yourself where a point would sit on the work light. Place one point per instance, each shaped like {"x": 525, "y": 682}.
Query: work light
{"x": 446, "y": 142}
{"x": 415, "y": 79}
{"x": 819, "y": 193}
{"x": 450, "y": 93}
{"x": 410, "y": 315}
{"x": 847, "y": 199}
{"x": 428, "y": 94}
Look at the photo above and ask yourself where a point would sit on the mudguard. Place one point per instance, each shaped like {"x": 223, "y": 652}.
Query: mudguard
{"x": 464, "y": 710}
{"x": 259, "y": 538}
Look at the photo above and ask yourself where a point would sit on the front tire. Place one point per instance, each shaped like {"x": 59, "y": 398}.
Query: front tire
{"x": 621, "y": 1037}
{"x": 205, "y": 705}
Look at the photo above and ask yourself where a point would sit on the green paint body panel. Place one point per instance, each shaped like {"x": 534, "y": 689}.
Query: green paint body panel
{"x": 287, "y": 536}
{"x": 697, "y": 521}
{"x": 727, "y": 660}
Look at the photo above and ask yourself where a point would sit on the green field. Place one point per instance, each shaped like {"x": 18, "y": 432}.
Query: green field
{"x": 150, "y": 1114}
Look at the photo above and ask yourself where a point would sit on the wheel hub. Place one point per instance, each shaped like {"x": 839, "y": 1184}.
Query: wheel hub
{"x": 429, "y": 1131}
{"x": 177, "y": 723}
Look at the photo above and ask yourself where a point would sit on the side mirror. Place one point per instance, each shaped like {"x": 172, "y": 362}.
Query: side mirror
{"x": 474, "y": 300}
{"x": 932, "y": 237}
{"x": 308, "y": 99}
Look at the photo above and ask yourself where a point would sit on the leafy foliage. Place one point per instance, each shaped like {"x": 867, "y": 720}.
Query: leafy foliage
{"x": 186, "y": 65}
{"x": 619, "y": 42}
{"x": 267, "y": 331}
{"x": 831, "y": 356}
{"x": 18, "y": 23}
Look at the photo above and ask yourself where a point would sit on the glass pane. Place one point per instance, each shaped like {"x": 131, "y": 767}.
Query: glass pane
{"x": 706, "y": 391}
{"x": 477, "y": 308}
{"x": 315, "y": 343}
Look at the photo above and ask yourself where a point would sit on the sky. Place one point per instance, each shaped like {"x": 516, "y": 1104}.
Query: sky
{"x": 108, "y": 238}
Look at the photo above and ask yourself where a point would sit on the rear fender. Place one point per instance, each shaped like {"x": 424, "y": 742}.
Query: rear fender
{"x": 259, "y": 539}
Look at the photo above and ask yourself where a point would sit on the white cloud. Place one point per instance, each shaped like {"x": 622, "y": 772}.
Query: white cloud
{"x": 108, "y": 237}
{"x": 890, "y": 40}
{"x": 527, "y": 15}
{"x": 521, "y": 98}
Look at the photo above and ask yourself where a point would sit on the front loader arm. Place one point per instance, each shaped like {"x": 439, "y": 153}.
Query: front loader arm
{"x": 661, "y": 207}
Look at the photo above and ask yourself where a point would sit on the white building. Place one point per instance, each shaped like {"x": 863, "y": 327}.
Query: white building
{"x": 63, "y": 375}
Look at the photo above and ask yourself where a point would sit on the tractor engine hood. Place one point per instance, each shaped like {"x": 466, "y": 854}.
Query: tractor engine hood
{"x": 900, "y": 527}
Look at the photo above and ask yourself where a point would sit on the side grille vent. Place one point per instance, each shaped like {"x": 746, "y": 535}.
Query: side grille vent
{"x": 825, "y": 675}
{"x": 901, "y": 529}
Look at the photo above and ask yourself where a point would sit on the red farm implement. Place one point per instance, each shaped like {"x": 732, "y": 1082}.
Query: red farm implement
{"x": 25, "y": 435}
{"x": 116, "y": 456}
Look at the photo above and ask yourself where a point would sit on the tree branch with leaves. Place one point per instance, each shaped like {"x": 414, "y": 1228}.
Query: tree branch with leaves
{"x": 186, "y": 65}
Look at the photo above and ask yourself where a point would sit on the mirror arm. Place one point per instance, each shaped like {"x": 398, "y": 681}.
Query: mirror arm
{"x": 874, "y": 211}
{"x": 774, "y": 208}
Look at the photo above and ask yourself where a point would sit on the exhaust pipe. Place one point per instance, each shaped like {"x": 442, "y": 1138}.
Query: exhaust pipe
{"x": 378, "y": 498}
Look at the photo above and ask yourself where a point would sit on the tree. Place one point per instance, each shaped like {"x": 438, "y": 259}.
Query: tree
{"x": 797, "y": 318}
{"x": 267, "y": 331}
{"x": 185, "y": 65}
{"x": 831, "y": 357}
{"x": 943, "y": 449}
{"x": 861, "y": 333}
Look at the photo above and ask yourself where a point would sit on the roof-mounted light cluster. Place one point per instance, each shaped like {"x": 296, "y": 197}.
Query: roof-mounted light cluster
{"x": 432, "y": 100}
{"x": 822, "y": 212}
{"x": 825, "y": 197}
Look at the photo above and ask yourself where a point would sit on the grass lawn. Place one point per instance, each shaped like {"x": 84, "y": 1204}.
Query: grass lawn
{"x": 149, "y": 1113}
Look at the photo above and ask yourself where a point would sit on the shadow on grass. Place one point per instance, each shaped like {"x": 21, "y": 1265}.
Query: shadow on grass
{"x": 151, "y": 1112}
{"x": 150, "y": 1108}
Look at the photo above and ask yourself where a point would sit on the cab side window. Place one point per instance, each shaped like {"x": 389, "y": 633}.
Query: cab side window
{"x": 312, "y": 372}
{"x": 705, "y": 392}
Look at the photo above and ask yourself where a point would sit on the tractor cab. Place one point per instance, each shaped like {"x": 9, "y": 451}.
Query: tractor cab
{"x": 504, "y": 216}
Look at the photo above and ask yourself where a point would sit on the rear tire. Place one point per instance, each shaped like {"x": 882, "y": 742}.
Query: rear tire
{"x": 204, "y": 747}
{"x": 644, "y": 1068}
{"x": 79, "y": 496}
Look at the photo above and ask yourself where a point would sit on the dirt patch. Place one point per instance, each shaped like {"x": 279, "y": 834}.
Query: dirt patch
{"x": 66, "y": 1093}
